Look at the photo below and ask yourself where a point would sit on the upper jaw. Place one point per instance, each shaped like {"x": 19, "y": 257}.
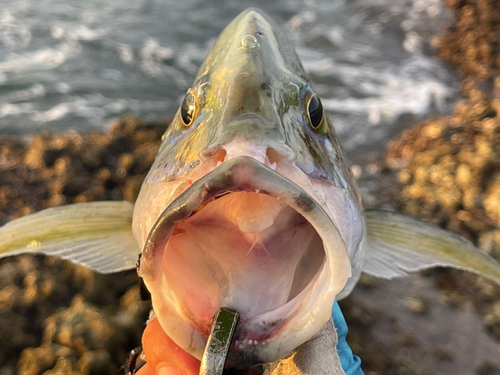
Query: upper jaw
{"x": 274, "y": 334}
{"x": 241, "y": 173}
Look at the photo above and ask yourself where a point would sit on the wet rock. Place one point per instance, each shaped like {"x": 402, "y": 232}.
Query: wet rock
{"x": 486, "y": 368}
{"x": 450, "y": 166}
{"x": 85, "y": 339}
{"x": 416, "y": 305}
{"x": 102, "y": 317}
{"x": 445, "y": 171}
{"x": 52, "y": 170}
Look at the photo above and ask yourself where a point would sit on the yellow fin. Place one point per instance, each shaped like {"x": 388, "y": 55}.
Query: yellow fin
{"x": 97, "y": 235}
{"x": 397, "y": 244}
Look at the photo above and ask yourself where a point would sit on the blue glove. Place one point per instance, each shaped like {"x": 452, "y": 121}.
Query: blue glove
{"x": 350, "y": 362}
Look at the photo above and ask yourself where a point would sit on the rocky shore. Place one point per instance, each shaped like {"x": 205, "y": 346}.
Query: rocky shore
{"x": 59, "y": 318}
{"x": 56, "y": 317}
{"x": 445, "y": 171}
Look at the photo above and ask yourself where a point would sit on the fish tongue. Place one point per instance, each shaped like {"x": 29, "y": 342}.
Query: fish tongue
{"x": 251, "y": 212}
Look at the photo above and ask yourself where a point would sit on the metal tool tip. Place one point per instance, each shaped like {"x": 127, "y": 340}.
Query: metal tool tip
{"x": 219, "y": 342}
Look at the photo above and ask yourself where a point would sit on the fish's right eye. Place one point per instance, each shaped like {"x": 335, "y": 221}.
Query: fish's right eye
{"x": 315, "y": 112}
{"x": 188, "y": 109}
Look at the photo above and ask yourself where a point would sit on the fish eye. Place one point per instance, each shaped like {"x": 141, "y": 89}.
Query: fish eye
{"x": 188, "y": 109}
{"x": 315, "y": 112}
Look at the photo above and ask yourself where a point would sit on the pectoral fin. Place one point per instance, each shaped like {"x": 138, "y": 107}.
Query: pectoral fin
{"x": 398, "y": 244}
{"x": 97, "y": 235}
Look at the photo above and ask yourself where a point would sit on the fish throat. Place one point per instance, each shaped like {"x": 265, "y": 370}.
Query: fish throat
{"x": 247, "y": 251}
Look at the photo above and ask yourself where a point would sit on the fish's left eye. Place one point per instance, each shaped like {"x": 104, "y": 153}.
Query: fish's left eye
{"x": 188, "y": 109}
{"x": 315, "y": 112}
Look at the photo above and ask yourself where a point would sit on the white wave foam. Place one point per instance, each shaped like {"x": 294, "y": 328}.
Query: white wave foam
{"x": 33, "y": 61}
{"x": 95, "y": 108}
{"x": 14, "y": 34}
{"x": 35, "y": 91}
{"x": 153, "y": 56}
{"x": 374, "y": 66}
{"x": 76, "y": 32}
{"x": 9, "y": 109}
{"x": 55, "y": 113}
{"x": 125, "y": 53}
{"x": 385, "y": 94}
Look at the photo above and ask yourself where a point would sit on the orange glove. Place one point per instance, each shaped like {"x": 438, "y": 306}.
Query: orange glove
{"x": 163, "y": 356}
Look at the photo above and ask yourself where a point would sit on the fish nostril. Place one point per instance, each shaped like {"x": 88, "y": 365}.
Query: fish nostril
{"x": 219, "y": 156}
{"x": 274, "y": 157}
{"x": 215, "y": 154}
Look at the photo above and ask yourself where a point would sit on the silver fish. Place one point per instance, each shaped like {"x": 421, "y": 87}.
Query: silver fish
{"x": 251, "y": 205}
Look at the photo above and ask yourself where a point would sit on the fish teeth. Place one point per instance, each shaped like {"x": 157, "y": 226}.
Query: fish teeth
{"x": 247, "y": 342}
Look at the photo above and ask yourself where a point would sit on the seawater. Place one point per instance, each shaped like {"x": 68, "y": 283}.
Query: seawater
{"x": 67, "y": 64}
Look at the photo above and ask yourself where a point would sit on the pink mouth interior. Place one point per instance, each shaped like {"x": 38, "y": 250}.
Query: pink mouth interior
{"x": 245, "y": 250}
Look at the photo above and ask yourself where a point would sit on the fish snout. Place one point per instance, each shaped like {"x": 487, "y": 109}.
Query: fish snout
{"x": 253, "y": 23}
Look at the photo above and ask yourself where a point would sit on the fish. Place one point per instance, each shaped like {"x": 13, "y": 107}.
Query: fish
{"x": 250, "y": 204}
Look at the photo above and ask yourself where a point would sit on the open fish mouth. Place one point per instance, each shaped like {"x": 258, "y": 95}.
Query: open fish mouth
{"x": 247, "y": 238}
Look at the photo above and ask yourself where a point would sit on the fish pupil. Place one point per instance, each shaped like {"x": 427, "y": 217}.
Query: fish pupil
{"x": 187, "y": 109}
{"x": 315, "y": 111}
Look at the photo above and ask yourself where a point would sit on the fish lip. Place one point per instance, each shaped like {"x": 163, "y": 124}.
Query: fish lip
{"x": 242, "y": 173}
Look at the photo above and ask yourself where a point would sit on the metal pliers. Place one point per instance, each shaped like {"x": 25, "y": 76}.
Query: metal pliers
{"x": 219, "y": 342}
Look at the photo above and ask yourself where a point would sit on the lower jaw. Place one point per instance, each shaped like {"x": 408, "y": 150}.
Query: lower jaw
{"x": 264, "y": 339}
{"x": 257, "y": 339}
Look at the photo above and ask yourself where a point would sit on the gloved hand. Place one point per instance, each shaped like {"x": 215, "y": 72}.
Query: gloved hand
{"x": 350, "y": 362}
{"x": 326, "y": 353}
{"x": 163, "y": 355}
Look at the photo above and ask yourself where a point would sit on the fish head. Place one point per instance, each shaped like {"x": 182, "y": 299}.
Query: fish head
{"x": 250, "y": 203}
